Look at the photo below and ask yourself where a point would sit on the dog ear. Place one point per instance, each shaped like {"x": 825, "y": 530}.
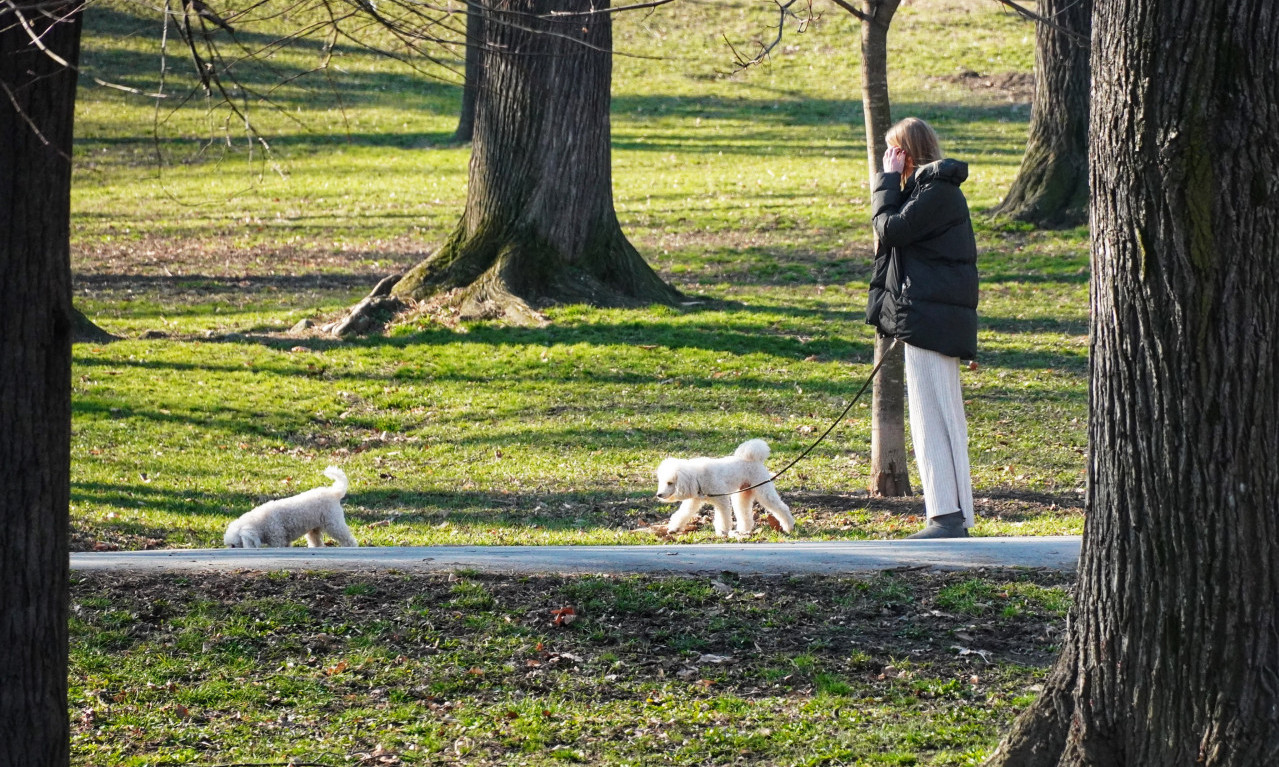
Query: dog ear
{"x": 667, "y": 471}
{"x": 685, "y": 487}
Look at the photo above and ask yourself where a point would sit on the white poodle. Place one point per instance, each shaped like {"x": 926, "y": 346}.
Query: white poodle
{"x": 698, "y": 481}
{"x": 280, "y": 522}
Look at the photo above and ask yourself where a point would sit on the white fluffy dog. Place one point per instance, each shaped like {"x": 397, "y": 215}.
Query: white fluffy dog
{"x": 280, "y": 522}
{"x": 698, "y": 481}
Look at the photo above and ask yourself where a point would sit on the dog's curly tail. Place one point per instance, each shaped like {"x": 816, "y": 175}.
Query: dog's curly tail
{"x": 339, "y": 480}
{"x": 752, "y": 450}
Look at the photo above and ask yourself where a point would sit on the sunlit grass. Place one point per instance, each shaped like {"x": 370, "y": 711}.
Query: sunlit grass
{"x": 746, "y": 190}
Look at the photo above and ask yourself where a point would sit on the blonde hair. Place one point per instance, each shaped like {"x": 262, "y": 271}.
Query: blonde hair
{"x": 917, "y": 138}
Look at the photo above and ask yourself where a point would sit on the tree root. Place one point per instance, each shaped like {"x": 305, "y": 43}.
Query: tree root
{"x": 84, "y": 331}
{"x": 372, "y": 313}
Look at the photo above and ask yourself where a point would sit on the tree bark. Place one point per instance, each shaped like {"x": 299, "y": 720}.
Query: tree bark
{"x": 889, "y": 474}
{"x": 474, "y": 40}
{"x": 539, "y": 225}
{"x": 1172, "y": 652}
{"x": 84, "y": 330}
{"x": 36, "y": 110}
{"x": 1051, "y": 188}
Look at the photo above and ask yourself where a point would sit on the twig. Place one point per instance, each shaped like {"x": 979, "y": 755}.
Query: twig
{"x": 784, "y": 11}
{"x": 858, "y": 12}
{"x": 1026, "y": 13}
{"x": 617, "y": 9}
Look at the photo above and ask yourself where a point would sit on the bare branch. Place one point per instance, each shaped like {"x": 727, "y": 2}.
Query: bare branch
{"x": 1026, "y": 13}
{"x": 858, "y": 12}
{"x": 784, "y": 12}
{"x": 618, "y": 9}
{"x": 17, "y": 107}
{"x": 31, "y": 34}
{"x": 39, "y": 44}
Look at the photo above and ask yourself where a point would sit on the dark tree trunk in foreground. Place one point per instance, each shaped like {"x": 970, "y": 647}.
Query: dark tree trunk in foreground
{"x": 539, "y": 225}
{"x": 36, "y": 111}
{"x": 474, "y": 40}
{"x": 1172, "y": 652}
{"x": 889, "y": 474}
{"x": 1051, "y": 188}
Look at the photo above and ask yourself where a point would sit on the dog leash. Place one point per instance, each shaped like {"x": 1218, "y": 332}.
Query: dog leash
{"x": 874, "y": 371}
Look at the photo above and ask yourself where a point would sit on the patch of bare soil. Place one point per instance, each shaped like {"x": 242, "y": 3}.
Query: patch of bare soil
{"x": 216, "y": 268}
{"x": 1018, "y": 87}
{"x": 225, "y": 258}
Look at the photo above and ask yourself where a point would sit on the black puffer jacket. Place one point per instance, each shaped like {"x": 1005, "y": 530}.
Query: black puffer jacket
{"x": 924, "y": 287}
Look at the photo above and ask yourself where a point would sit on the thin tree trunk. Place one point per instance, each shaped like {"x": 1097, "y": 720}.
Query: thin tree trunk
{"x": 474, "y": 71}
{"x": 539, "y": 225}
{"x": 1172, "y": 656}
{"x": 1051, "y": 188}
{"x": 889, "y": 474}
{"x": 36, "y": 112}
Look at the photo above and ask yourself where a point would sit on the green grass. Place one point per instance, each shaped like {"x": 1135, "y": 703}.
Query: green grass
{"x": 341, "y": 670}
{"x": 748, "y": 191}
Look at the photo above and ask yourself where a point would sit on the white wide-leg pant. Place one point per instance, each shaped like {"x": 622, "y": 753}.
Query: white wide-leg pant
{"x": 939, "y": 432}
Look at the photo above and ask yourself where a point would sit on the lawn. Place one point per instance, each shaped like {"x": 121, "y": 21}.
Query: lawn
{"x": 748, "y": 191}
{"x": 896, "y": 668}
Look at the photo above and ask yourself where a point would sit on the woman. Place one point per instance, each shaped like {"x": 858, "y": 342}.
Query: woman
{"x": 924, "y": 293}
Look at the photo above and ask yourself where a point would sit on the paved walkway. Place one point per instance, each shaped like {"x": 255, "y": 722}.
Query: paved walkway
{"x": 1056, "y": 552}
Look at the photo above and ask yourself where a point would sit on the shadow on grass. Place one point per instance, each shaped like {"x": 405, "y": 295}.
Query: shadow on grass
{"x": 734, "y": 337}
{"x": 1034, "y": 325}
{"x": 556, "y": 512}
{"x": 259, "y": 63}
{"x": 186, "y": 502}
{"x": 511, "y": 518}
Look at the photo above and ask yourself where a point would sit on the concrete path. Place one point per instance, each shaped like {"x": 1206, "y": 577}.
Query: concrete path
{"x": 1057, "y": 552}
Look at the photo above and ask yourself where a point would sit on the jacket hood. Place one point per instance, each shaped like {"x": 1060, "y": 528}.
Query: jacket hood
{"x": 948, "y": 170}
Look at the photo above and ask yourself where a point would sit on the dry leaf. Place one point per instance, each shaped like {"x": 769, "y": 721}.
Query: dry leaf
{"x": 716, "y": 659}
{"x": 337, "y": 668}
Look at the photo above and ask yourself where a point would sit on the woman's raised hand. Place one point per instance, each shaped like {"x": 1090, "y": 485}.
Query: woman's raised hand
{"x": 894, "y": 159}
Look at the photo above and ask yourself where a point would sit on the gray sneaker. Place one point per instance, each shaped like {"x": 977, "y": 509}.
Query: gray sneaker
{"x": 943, "y": 526}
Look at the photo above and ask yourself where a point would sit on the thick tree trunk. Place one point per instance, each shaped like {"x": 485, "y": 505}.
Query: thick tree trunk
{"x": 35, "y": 379}
{"x": 539, "y": 225}
{"x": 1172, "y": 655}
{"x": 84, "y": 330}
{"x": 1051, "y": 188}
{"x": 889, "y": 474}
{"x": 474, "y": 41}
